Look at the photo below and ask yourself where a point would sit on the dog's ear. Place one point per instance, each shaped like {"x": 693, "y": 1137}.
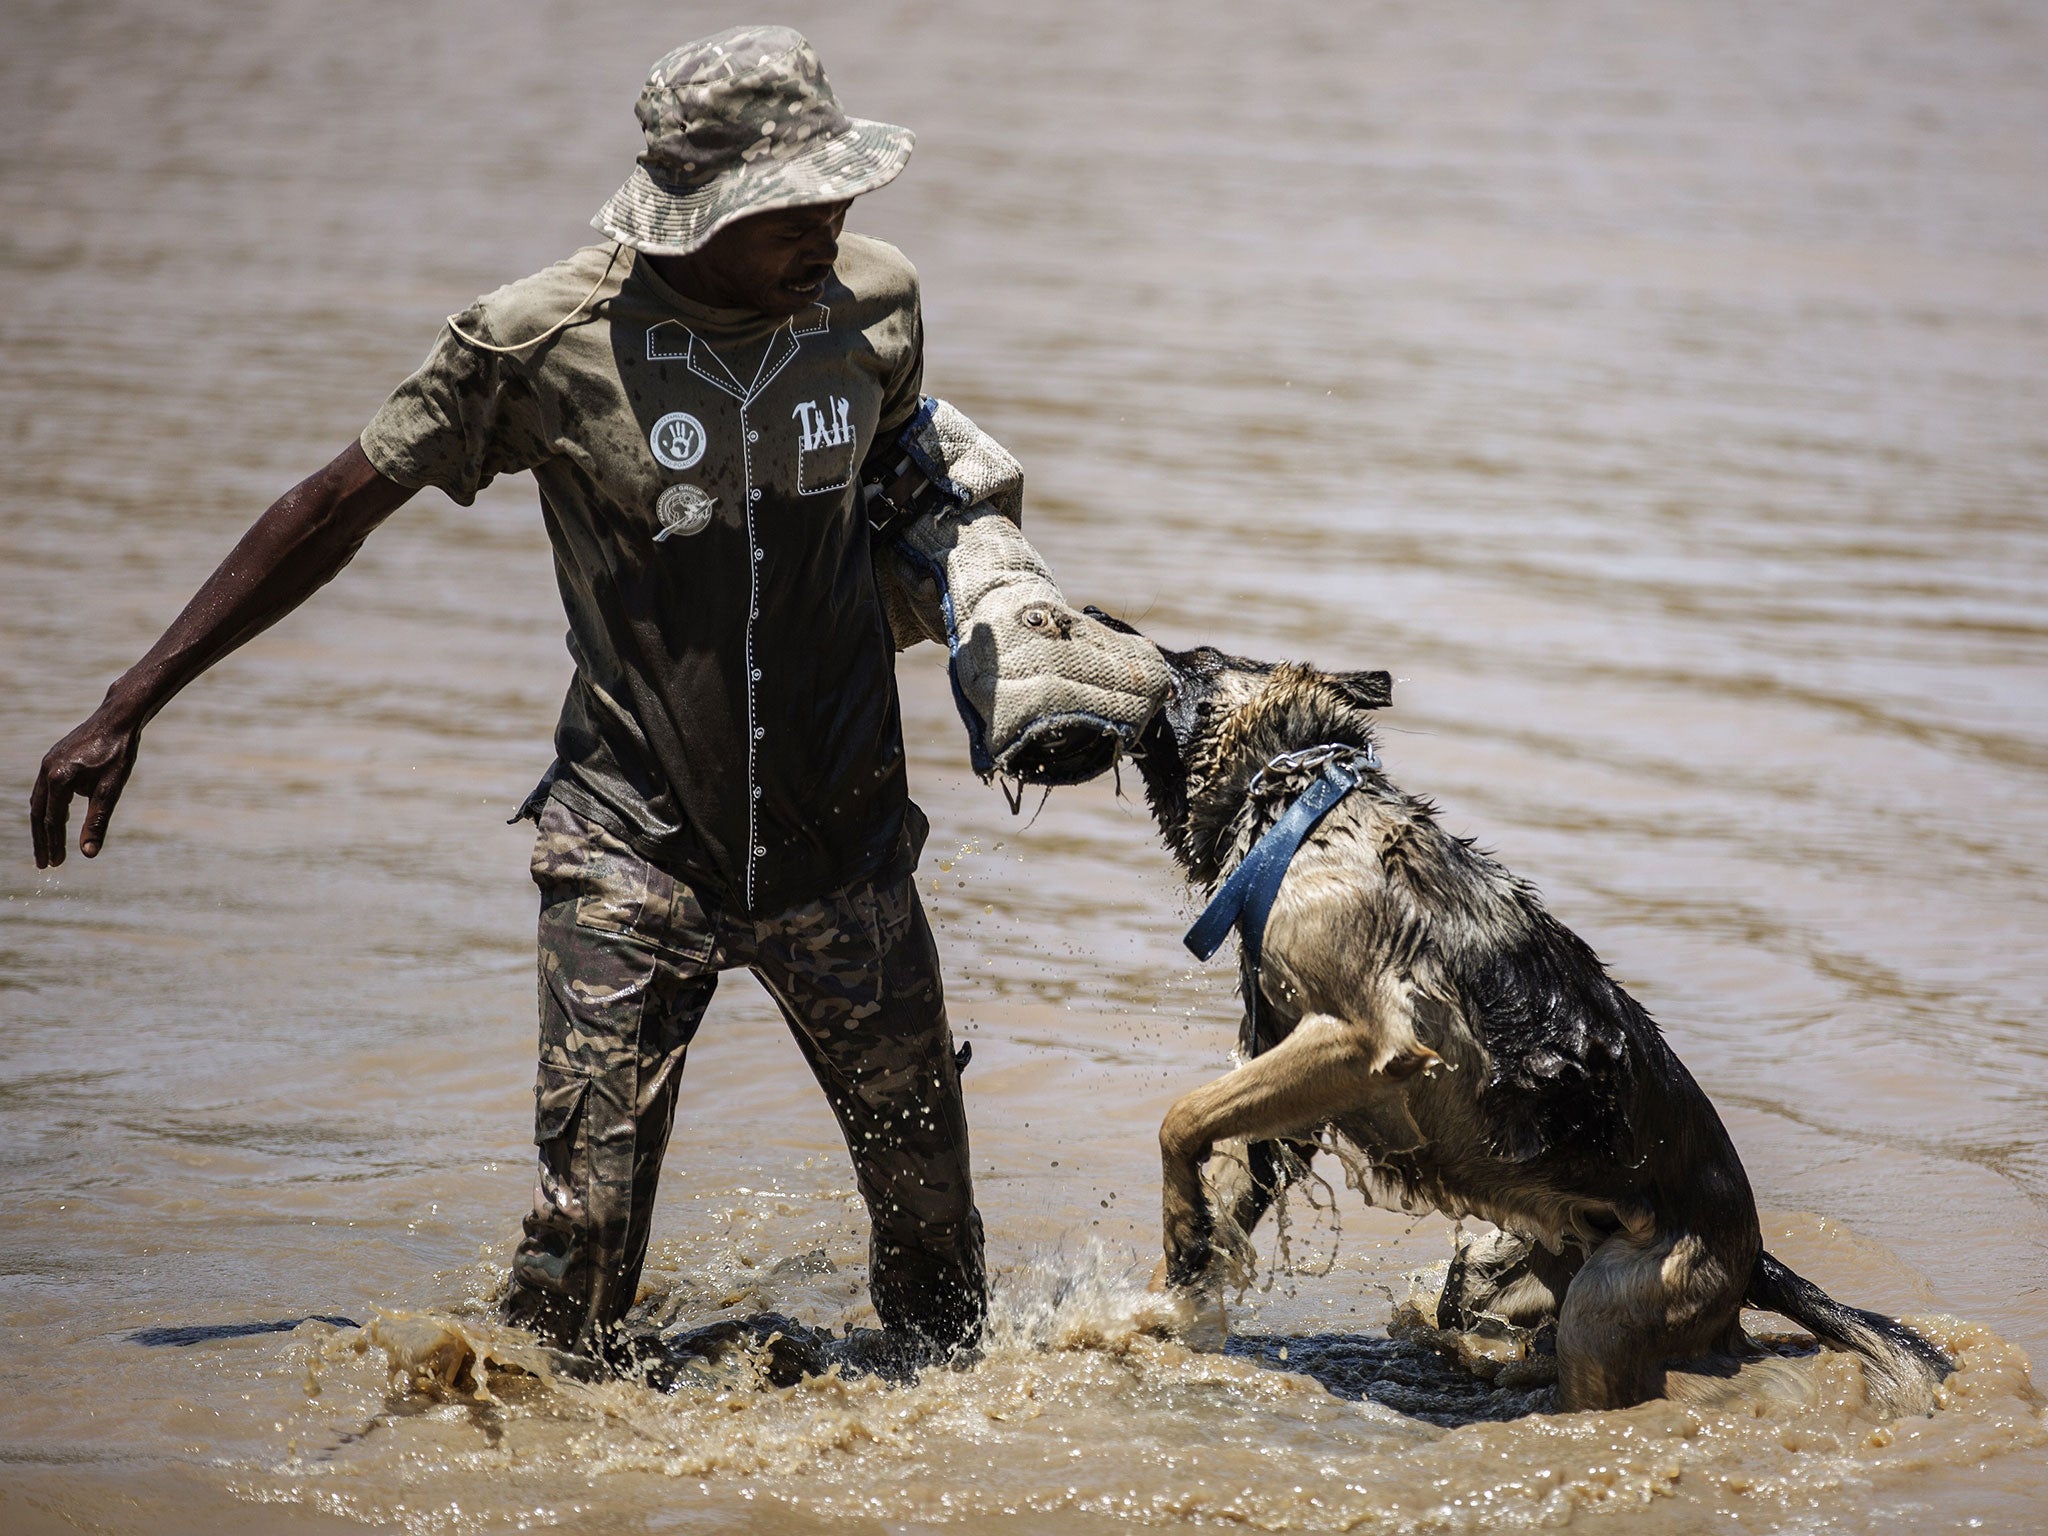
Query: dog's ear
{"x": 1116, "y": 624}
{"x": 1368, "y": 690}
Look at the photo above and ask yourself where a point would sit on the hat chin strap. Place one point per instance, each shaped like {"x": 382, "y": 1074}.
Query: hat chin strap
{"x": 521, "y": 346}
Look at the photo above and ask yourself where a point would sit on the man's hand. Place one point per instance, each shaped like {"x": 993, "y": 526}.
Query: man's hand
{"x": 94, "y": 761}
{"x": 294, "y": 549}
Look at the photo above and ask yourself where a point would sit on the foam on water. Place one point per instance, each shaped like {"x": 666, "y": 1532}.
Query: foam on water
{"x": 1077, "y": 1407}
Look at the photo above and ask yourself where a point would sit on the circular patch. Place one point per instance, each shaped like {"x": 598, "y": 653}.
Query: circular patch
{"x": 677, "y": 440}
{"x": 684, "y": 510}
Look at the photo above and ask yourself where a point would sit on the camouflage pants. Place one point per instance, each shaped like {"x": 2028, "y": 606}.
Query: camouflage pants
{"x": 629, "y": 957}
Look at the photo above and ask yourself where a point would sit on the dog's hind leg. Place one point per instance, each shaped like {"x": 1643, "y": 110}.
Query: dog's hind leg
{"x": 1610, "y": 1345}
{"x": 1320, "y": 1070}
{"x": 1643, "y": 1298}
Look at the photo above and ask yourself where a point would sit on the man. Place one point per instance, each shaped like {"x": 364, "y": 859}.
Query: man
{"x": 696, "y": 401}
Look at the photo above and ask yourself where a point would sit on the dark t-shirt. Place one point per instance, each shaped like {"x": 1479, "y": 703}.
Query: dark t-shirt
{"x": 733, "y": 713}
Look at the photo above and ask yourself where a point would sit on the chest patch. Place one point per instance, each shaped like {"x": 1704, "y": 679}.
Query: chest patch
{"x": 678, "y": 440}
{"x": 683, "y": 510}
{"x": 825, "y": 444}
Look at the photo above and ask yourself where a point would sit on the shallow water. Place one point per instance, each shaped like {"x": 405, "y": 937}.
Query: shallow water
{"x": 1656, "y": 390}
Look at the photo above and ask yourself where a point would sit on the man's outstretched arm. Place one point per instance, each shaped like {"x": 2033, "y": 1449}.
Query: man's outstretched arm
{"x": 291, "y": 551}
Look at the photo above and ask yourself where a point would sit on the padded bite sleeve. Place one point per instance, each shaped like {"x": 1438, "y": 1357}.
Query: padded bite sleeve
{"x": 1048, "y": 695}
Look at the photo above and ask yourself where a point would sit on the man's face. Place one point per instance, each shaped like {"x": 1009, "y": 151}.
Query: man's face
{"x": 775, "y": 263}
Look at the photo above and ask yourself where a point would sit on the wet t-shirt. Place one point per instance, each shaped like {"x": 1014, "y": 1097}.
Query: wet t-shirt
{"x": 733, "y": 712}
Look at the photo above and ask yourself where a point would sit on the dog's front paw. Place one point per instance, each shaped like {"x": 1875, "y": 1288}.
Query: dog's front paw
{"x": 1192, "y": 1313}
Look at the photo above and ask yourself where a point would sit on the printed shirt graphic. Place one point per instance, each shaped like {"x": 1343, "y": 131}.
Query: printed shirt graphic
{"x": 734, "y": 710}
{"x": 826, "y": 445}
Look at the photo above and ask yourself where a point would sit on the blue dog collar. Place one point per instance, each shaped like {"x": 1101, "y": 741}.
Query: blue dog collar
{"x": 1245, "y": 899}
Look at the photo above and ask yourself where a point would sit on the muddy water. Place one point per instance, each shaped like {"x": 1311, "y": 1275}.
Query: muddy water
{"x": 1656, "y": 389}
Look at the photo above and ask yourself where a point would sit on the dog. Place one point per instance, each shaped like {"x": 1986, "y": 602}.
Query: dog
{"x": 1418, "y": 1000}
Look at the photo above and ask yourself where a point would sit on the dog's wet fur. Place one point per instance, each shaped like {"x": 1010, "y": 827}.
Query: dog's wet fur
{"x": 1419, "y": 1000}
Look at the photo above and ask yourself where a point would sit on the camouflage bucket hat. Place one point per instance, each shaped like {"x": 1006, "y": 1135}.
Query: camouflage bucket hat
{"x": 740, "y": 123}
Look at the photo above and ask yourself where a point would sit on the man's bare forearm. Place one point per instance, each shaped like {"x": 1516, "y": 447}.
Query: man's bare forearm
{"x": 290, "y": 552}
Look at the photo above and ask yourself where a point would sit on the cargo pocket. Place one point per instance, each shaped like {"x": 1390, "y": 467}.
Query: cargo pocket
{"x": 618, "y": 892}
{"x": 574, "y": 858}
{"x": 616, "y": 907}
{"x": 561, "y": 1131}
{"x": 612, "y": 888}
{"x": 674, "y": 921}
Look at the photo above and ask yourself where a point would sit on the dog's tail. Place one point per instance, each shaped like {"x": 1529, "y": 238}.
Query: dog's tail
{"x": 1902, "y": 1368}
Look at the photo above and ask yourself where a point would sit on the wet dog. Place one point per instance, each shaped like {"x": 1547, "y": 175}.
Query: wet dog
{"x": 1418, "y": 1000}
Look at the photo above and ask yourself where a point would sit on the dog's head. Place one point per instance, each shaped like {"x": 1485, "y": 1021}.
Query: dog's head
{"x": 1224, "y": 718}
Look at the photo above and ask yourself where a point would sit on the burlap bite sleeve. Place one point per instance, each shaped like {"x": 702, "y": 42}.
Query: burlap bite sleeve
{"x": 1048, "y": 695}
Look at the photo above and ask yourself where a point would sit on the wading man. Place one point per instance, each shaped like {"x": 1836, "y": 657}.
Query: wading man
{"x": 696, "y": 400}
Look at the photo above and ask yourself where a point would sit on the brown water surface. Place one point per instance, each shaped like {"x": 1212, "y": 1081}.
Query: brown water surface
{"x": 1657, "y": 389}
